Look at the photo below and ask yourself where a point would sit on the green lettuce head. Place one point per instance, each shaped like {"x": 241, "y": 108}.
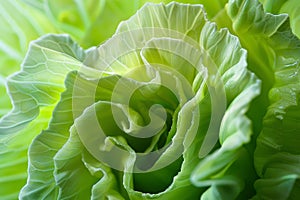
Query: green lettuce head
{"x": 160, "y": 110}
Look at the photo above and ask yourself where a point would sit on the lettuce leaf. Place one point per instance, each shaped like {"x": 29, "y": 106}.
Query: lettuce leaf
{"x": 197, "y": 101}
{"x": 22, "y": 22}
{"x": 276, "y": 156}
{"x": 19, "y": 25}
{"x": 158, "y": 58}
{"x": 290, "y": 7}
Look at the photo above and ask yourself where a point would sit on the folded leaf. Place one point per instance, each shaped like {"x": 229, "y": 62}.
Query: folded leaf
{"x": 290, "y": 7}
{"x": 40, "y": 81}
{"x": 108, "y": 108}
{"x": 19, "y": 25}
{"x": 34, "y": 91}
{"x": 277, "y": 154}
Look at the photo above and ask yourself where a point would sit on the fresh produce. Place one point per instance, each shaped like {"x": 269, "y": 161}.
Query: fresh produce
{"x": 145, "y": 100}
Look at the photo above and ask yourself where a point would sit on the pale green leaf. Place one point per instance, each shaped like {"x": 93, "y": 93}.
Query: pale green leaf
{"x": 41, "y": 79}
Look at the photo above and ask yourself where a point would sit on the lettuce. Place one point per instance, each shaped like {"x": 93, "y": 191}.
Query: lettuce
{"x": 193, "y": 99}
{"x": 19, "y": 25}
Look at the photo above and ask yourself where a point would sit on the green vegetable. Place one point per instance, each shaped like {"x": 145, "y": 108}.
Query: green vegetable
{"x": 191, "y": 100}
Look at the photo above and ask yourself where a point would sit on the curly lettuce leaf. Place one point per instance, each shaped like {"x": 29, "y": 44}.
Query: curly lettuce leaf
{"x": 291, "y": 7}
{"x": 254, "y": 27}
{"x": 19, "y": 25}
{"x": 13, "y": 152}
{"x": 276, "y": 155}
{"x": 223, "y": 169}
{"x": 40, "y": 81}
{"x": 153, "y": 37}
{"x": 66, "y": 157}
{"x": 35, "y": 90}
